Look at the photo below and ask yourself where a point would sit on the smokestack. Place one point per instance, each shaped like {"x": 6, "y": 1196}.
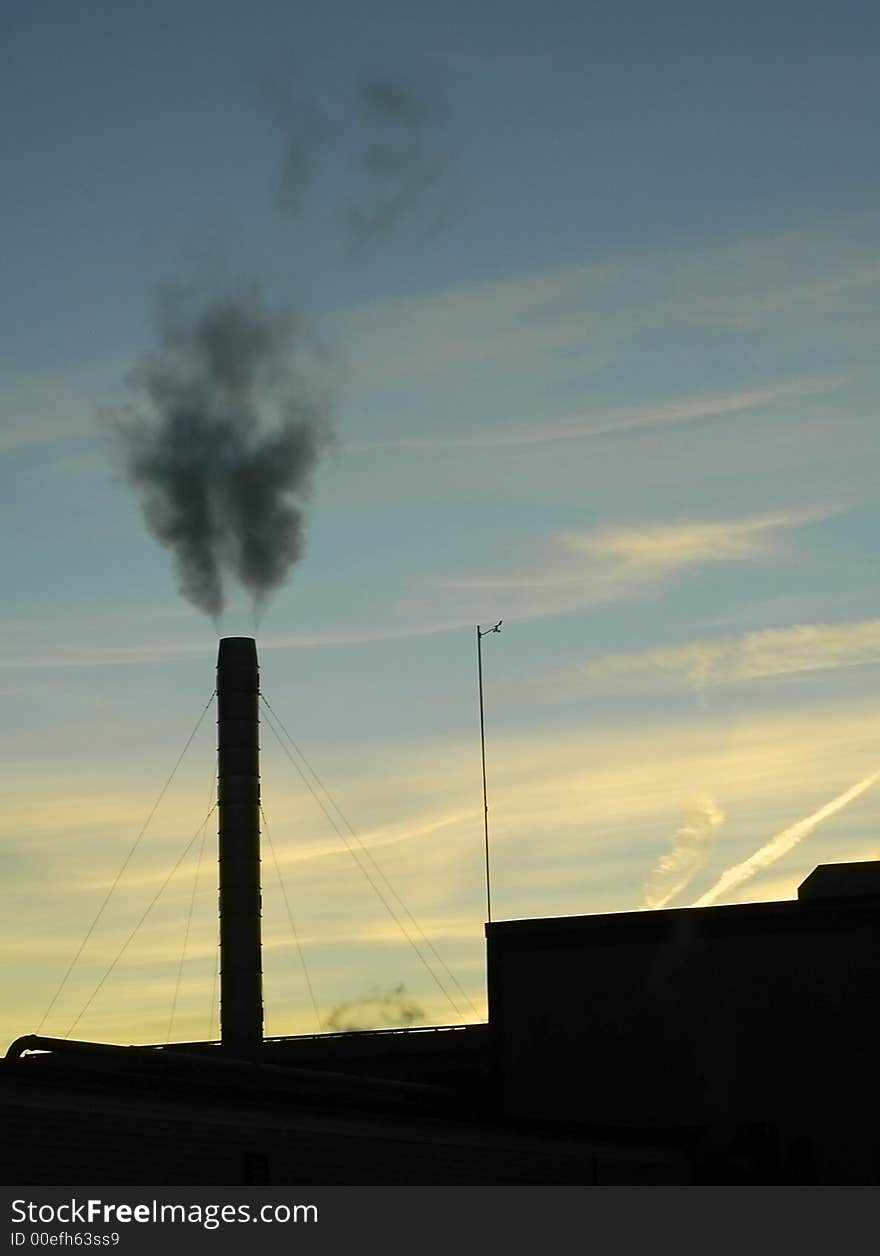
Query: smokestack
{"x": 238, "y": 805}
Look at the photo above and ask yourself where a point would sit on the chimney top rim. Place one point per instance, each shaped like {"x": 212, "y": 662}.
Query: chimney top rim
{"x": 237, "y": 651}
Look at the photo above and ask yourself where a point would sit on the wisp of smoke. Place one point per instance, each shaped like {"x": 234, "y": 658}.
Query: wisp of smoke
{"x": 308, "y": 133}
{"x": 691, "y": 846}
{"x": 782, "y": 843}
{"x": 399, "y": 164}
{"x": 387, "y": 138}
{"x": 375, "y": 1010}
{"x": 224, "y": 441}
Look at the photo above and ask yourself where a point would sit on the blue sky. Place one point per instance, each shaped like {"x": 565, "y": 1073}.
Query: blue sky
{"x": 610, "y": 377}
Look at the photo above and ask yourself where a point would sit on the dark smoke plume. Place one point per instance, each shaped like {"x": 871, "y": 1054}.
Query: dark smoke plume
{"x": 308, "y": 132}
{"x": 377, "y": 1009}
{"x": 387, "y": 139}
{"x": 397, "y": 159}
{"x": 224, "y": 441}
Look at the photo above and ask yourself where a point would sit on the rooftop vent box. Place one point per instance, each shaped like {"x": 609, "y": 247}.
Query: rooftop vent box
{"x": 842, "y": 880}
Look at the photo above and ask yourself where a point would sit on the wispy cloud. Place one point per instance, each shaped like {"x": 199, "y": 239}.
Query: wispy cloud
{"x": 614, "y": 421}
{"x": 726, "y": 660}
{"x": 667, "y": 547}
{"x": 578, "y": 569}
{"x": 567, "y": 571}
{"x": 606, "y": 307}
{"x": 782, "y": 843}
{"x": 43, "y": 647}
{"x": 41, "y": 409}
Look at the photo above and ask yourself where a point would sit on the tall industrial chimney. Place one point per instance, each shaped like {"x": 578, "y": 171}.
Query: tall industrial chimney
{"x": 238, "y": 805}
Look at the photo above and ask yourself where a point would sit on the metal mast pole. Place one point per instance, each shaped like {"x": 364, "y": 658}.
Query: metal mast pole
{"x": 480, "y": 635}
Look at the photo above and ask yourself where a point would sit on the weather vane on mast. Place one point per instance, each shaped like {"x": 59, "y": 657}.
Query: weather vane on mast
{"x": 484, "y": 632}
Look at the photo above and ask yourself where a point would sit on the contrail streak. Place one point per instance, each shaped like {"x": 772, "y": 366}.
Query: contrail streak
{"x": 782, "y": 843}
{"x": 691, "y": 847}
